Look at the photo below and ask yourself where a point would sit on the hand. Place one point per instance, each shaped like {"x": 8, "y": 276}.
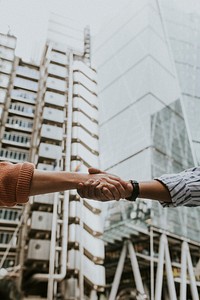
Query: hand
{"x": 105, "y": 188}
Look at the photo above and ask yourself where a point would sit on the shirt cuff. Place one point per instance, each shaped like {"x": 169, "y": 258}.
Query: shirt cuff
{"x": 178, "y": 189}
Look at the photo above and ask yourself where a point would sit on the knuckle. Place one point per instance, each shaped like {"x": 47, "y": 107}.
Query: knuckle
{"x": 118, "y": 185}
{"x": 112, "y": 188}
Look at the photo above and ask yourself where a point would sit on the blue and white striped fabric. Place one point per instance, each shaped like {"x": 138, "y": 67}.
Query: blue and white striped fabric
{"x": 184, "y": 188}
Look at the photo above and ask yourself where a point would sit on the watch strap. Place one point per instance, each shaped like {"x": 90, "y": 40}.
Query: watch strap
{"x": 135, "y": 192}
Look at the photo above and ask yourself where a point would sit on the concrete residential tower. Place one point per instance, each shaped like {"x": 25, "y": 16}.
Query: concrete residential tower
{"x": 50, "y": 117}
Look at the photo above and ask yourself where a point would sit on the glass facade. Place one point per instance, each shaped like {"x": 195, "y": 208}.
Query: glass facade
{"x": 147, "y": 127}
{"x": 149, "y": 108}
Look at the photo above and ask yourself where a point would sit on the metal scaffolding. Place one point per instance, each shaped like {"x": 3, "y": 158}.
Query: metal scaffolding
{"x": 163, "y": 264}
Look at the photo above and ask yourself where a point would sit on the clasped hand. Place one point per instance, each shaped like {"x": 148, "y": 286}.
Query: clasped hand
{"x": 104, "y": 186}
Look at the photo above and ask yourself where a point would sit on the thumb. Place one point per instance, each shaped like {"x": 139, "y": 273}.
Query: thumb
{"x": 95, "y": 171}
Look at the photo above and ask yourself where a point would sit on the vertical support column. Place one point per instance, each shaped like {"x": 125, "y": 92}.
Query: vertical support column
{"x": 81, "y": 251}
{"x": 164, "y": 252}
{"x": 93, "y": 295}
{"x": 183, "y": 286}
{"x": 152, "y": 263}
{"x": 136, "y": 270}
{"x": 118, "y": 273}
{"x": 159, "y": 274}
{"x": 193, "y": 285}
{"x": 170, "y": 278}
{"x": 52, "y": 250}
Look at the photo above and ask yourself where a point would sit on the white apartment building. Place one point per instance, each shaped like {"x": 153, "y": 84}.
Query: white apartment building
{"x": 50, "y": 117}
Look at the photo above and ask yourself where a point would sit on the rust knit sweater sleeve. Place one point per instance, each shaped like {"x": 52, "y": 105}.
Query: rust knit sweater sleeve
{"x": 15, "y": 182}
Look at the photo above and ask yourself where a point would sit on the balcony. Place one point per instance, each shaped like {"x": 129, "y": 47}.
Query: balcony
{"x": 85, "y": 81}
{"x": 79, "y": 152}
{"x": 94, "y": 273}
{"x": 8, "y": 41}
{"x": 6, "y": 53}
{"x": 13, "y": 155}
{"x": 2, "y": 95}
{"x": 55, "y": 99}
{"x": 79, "y": 90}
{"x": 50, "y": 151}
{"x": 55, "y": 115}
{"x": 81, "y": 104}
{"x": 22, "y": 110}
{"x": 45, "y": 167}
{"x": 18, "y": 140}
{"x": 57, "y": 70}
{"x": 27, "y": 72}
{"x": 5, "y": 66}
{"x": 24, "y": 96}
{"x": 44, "y": 199}
{"x": 83, "y": 120}
{"x": 9, "y": 214}
{"x": 4, "y": 80}
{"x": 19, "y": 124}
{"x": 26, "y": 84}
{"x": 93, "y": 222}
{"x": 41, "y": 221}
{"x": 52, "y": 132}
{"x": 38, "y": 250}
{"x": 79, "y": 134}
{"x": 5, "y": 238}
{"x": 92, "y": 244}
{"x": 80, "y": 66}
{"x": 56, "y": 84}
{"x": 59, "y": 58}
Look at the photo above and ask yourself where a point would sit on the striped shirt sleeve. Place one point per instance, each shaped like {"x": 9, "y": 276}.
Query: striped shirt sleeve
{"x": 183, "y": 187}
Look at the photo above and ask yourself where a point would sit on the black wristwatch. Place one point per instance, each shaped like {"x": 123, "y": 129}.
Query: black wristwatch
{"x": 136, "y": 191}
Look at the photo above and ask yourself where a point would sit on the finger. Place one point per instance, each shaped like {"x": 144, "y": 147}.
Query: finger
{"x": 116, "y": 188}
{"x": 79, "y": 189}
{"x": 94, "y": 171}
{"x": 91, "y": 189}
{"x": 84, "y": 188}
{"x": 108, "y": 195}
{"x": 114, "y": 194}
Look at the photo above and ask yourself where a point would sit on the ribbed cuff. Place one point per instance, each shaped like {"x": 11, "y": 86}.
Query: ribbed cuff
{"x": 24, "y": 182}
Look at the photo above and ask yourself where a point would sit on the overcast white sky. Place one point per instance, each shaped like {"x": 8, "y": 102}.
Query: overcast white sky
{"x": 28, "y": 19}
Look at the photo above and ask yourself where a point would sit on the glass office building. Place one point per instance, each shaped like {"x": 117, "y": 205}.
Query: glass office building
{"x": 148, "y": 90}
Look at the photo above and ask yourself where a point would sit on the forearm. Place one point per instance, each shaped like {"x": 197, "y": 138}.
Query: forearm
{"x": 49, "y": 182}
{"x": 154, "y": 190}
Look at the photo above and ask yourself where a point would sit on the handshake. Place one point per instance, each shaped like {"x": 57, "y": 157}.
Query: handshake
{"x": 104, "y": 186}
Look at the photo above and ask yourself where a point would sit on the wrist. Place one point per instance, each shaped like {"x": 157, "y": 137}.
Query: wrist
{"x": 135, "y": 191}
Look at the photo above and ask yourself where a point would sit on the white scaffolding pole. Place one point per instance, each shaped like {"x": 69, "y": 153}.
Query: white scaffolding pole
{"x": 164, "y": 252}
{"x": 159, "y": 274}
{"x": 170, "y": 277}
{"x": 136, "y": 270}
{"x": 183, "y": 285}
{"x": 118, "y": 273}
{"x": 52, "y": 250}
{"x": 186, "y": 260}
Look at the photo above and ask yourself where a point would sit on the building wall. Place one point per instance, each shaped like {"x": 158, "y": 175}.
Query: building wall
{"x": 18, "y": 89}
{"x": 50, "y": 117}
{"x": 144, "y": 130}
{"x": 183, "y": 32}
